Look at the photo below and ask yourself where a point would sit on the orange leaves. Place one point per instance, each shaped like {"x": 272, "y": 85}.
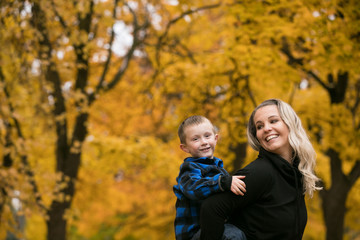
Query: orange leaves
{"x": 129, "y": 185}
{"x": 219, "y": 61}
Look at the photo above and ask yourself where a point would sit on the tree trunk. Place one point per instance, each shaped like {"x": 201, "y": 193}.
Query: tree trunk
{"x": 56, "y": 224}
{"x": 240, "y": 154}
{"x": 333, "y": 204}
{"x": 334, "y": 199}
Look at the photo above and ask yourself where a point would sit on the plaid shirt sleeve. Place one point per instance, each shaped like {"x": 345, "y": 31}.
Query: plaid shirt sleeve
{"x": 198, "y": 181}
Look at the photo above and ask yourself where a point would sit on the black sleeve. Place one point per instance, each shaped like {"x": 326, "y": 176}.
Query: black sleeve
{"x": 225, "y": 182}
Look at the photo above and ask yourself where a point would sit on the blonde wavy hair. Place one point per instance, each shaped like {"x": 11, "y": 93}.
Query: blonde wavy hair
{"x": 298, "y": 139}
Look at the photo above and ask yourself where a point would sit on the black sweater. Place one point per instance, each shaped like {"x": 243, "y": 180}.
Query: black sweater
{"x": 273, "y": 206}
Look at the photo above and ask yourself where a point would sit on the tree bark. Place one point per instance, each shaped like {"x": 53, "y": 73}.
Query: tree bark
{"x": 240, "y": 154}
{"x": 56, "y": 224}
{"x": 334, "y": 199}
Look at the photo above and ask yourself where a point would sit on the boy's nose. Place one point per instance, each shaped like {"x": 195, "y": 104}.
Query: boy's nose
{"x": 203, "y": 141}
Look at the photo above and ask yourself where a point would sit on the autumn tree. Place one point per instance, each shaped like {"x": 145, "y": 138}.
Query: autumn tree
{"x": 304, "y": 52}
{"x": 219, "y": 59}
{"x": 66, "y": 49}
{"x": 65, "y": 40}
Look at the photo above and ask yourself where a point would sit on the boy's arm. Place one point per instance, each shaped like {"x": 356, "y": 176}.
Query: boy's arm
{"x": 197, "y": 187}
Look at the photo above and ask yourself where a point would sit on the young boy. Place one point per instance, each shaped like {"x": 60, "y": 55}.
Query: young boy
{"x": 200, "y": 175}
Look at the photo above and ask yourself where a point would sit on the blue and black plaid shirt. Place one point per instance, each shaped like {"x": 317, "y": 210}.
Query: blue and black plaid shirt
{"x": 197, "y": 180}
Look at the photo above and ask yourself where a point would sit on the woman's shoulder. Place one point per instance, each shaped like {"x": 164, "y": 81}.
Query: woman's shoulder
{"x": 259, "y": 175}
{"x": 259, "y": 164}
{"x": 261, "y": 167}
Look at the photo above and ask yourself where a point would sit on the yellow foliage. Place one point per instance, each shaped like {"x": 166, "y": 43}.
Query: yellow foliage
{"x": 35, "y": 227}
{"x": 126, "y": 183}
{"x": 219, "y": 62}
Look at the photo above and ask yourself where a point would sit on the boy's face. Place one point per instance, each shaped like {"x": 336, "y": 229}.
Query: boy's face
{"x": 200, "y": 140}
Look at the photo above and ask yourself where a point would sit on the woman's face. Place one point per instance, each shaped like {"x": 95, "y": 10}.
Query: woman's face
{"x": 272, "y": 132}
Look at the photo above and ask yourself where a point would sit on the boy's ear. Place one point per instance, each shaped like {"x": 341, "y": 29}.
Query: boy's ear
{"x": 216, "y": 137}
{"x": 184, "y": 148}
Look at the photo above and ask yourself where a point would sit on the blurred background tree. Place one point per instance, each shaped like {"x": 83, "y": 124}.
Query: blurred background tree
{"x": 92, "y": 93}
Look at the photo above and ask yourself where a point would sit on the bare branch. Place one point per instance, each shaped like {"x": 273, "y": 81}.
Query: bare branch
{"x": 298, "y": 62}
{"x": 189, "y": 12}
{"x": 107, "y": 63}
{"x": 61, "y": 19}
{"x": 173, "y": 21}
{"x": 127, "y": 58}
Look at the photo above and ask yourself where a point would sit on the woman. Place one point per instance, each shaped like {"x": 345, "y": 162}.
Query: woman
{"x": 273, "y": 206}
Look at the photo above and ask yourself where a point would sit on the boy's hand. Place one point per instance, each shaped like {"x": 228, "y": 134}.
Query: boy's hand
{"x": 237, "y": 185}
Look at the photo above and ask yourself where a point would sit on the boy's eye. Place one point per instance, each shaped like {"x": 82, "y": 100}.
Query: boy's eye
{"x": 274, "y": 120}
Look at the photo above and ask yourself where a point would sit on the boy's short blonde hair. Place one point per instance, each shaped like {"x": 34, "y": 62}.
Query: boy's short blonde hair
{"x": 193, "y": 120}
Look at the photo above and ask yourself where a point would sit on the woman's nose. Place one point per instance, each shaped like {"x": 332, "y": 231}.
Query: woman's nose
{"x": 267, "y": 127}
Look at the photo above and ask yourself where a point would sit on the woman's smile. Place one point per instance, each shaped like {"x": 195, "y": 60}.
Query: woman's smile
{"x": 272, "y": 132}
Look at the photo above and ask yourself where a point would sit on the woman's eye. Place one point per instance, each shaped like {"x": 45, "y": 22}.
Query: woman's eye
{"x": 258, "y": 127}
